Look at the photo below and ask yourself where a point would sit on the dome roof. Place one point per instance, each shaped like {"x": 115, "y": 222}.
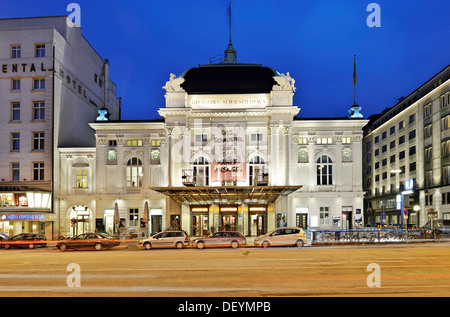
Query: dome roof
{"x": 229, "y": 79}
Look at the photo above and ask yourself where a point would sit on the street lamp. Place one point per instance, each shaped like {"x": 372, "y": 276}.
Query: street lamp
{"x": 416, "y": 208}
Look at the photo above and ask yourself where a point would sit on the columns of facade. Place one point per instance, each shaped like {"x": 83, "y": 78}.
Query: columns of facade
{"x": 287, "y": 153}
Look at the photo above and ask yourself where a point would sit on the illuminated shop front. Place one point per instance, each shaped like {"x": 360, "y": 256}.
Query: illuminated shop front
{"x": 25, "y": 211}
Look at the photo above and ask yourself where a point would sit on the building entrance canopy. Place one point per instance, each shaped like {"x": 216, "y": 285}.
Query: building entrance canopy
{"x": 207, "y": 195}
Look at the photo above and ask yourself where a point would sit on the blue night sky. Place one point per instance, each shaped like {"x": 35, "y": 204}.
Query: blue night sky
{"x": 313, "y": 40}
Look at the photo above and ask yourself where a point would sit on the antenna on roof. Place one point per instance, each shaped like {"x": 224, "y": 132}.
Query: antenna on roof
{"x": 229, "y": 18}
{"x": 230, "y": 52}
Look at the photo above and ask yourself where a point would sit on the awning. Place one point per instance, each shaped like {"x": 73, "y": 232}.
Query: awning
{"x": 206, "y": 195}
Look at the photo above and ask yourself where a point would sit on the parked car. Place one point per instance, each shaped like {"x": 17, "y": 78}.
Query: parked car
{"x": 3, "y": 238}
{"x": 166, "y": 239}
{"x": 232, "y": 239}
{"x": 282, "y": 237}
{"x": 97, "y": 241}
{"x": 26, "y": 240}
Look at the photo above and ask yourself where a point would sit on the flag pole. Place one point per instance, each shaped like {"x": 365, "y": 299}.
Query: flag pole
{"x": 354, "y": 79}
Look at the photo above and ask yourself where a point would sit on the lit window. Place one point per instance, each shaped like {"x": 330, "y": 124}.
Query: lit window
{"x": 134, "y": 173}
{"x": 134, "y": 142}
{"x": 324, "y": 170}
{"x": 324, "y": 140}
{"x": 82, "y": 178}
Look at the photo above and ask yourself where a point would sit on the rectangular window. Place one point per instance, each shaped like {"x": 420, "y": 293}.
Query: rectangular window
{"x": 412, "y": 150}
{"x": 38, "y": 110}
{"x": 401, "y": 155}
{"x": 445, "y": 147}
{"x": 412, "y": 134}
{"x": 134, "y": 142}
{"x": 16, "y": 51}
{"x": 346, "y": 140}
{"x": 201, "y": 138}
{"x": 133, "y": 217}
{"x": 384, "y": 135}
{"x": 445, "y": 175}
{"x": 303, "y": 141}
{"x": 15, "y": 171}
{"x": 15, "y": 111}
{"x": 15, "y": 85}
{"x": 445, "y": 100}
{"x": 427, "y": 110}
{"x": 38, "y": 171}
{"x": 38, "y": 140}
{"x": 256, "y": 137}
{"x": 156, "y": 142}
{"x": 15, "y": 142}
{"x": 40, "y": 50}
{"x": 39, "y": 84}
{"x": 401, "y": 139}
{"x": 324, "y": 141}
{"x": 428, "y": 153}
{"x": 392, "y": 131}
{"x": 401, "y": 124}
{"x": 324, "y": 216}
{"x": 427, "y": 131}
{"x": 412, "y": 118}
{"x": 82, "y": 178}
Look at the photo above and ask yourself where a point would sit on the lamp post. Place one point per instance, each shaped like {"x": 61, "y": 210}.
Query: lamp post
{"x": 416, "y": 208}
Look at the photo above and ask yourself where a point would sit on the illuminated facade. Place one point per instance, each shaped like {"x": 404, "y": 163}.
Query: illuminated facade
{"x": 230, "y": 153}
{"x": 410, "y": 141}
{"x": 47, "y": 100}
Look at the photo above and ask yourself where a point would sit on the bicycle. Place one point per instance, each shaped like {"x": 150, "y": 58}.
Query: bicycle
{"x": 327, "y": 237}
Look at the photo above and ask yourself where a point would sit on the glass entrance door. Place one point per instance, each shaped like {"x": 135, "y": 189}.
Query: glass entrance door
{"x": 257, "y": 224}
{"x": 200, "y": 225}
{"x": 229, "y": 222}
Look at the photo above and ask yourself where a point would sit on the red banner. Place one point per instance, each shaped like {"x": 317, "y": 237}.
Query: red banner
{"x": 228, "y": 172}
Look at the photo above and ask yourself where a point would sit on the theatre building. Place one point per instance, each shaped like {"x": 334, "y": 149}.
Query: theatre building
{"x": 52, "y": 84}
{"x": 229, "y": 154}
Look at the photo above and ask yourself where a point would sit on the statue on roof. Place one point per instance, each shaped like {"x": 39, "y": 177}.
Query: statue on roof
{"x": 284, "y": 82}
{"x": 174, "y": 83}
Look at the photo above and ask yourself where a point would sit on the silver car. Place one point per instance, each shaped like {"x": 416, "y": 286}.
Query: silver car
{"x": 166, "y": 239}
{"x": 282, "y": 237}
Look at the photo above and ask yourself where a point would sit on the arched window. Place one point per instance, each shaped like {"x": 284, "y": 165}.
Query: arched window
{"x": 201, "y": 171}
{"x": 256, "y": 170}
{"x": 324, "y": 170}
{"x": 134, "y": 172}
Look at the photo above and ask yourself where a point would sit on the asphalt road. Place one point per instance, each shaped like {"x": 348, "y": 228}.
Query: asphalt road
{"x": 421, "y": 269}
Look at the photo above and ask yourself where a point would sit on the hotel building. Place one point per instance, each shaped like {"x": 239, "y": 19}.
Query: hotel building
{"x": 409, "y": 144}
{"x": 229, "y": 153}
{"x": 52, "y": 84}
